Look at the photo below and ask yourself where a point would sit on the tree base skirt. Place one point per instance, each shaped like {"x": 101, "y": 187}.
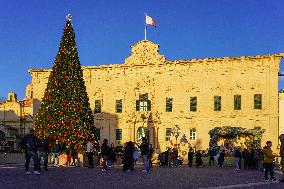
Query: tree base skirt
{"x": 66, "y": 160}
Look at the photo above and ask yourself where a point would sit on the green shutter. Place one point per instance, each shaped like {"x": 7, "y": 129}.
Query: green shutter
{"x": 137, "y": 105}
{"x": 149, "y": 105}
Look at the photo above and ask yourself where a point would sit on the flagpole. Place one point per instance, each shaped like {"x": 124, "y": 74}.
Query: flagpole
{"x": 145, "y": 30}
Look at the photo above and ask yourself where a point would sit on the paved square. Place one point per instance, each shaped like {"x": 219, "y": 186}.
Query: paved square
{"x": 13, "y": 177}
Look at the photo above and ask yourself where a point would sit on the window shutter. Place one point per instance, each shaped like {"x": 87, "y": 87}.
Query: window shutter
{"x": 149, "y": 105}
{"x": 137, "y": 105}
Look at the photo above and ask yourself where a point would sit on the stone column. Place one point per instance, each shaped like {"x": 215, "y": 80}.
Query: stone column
{"x": 157, "y": 138}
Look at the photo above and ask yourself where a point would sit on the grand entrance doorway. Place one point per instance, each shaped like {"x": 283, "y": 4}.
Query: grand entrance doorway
{"x": 142, "y": 132}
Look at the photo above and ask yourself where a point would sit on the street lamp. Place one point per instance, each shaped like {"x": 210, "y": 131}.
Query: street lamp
{"x": 176, "y": 132}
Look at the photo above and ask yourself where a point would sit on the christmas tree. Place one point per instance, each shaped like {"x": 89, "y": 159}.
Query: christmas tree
{"x": 65, "y": 113}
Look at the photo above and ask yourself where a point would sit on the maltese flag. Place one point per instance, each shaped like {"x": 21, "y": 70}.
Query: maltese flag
{"x": 150, "y": 20}
{"x": 171, "y": 139}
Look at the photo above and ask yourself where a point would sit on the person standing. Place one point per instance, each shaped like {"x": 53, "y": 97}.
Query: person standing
{"x": 29, "y": 144}
{"x": 135, "y": 155}
{"x": 221, "y": 158}
{"x": 198, "y": 157}
{"x": 43, "y": 150}
{"x": 145, "y": 151}
{"x": 105, "y": 153}
{"x": 90, "y": 150}
{"x": 258, "y": 158}
{"x": 73, "y": 154}
{"x": 175, "y": 157}
{"x": 245, "y": 155}
{"x": 167, "y": 156}
{"x": 211, "y": 154}
{"x": 281, "y": 137}
{"x": 190, "y": 155}
{"x": 112, "y": 158}
{"x": 151, "y": 151}
{"x": 238, "y": 157}
{"x": 55, "y": 151}
{"x": 268, "y": 162}
{"x": 128, "y": 162}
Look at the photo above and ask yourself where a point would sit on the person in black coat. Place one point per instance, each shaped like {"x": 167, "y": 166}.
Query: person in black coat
{"x": 211, "y": 153}
{"x": 128, "y": 161}
{"x": 113, "y": 153}
{"x": 29, "y": 144}
{"x": 43, "y": 150}
{"x": 246, "y": 157}
{"x": 221, "y": 158}
{"x": 190, "y": 156}
{"x": 238, "y": 158}
{"x": 105, "y": 153}
{"x": 198, "y": 157}
{"x": 145, "y": 152}
{"x": 55, "y": 151}
{"x": 73, "y": 154}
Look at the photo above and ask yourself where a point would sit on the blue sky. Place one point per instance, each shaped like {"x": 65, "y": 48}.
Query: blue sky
{"x": 105, "y": 29}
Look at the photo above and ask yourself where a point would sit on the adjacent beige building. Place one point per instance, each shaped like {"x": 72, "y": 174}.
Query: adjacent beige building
{"x": 149, "y": 93}
{"x": 281, "y": 112}
{"x": 15, "y": 118}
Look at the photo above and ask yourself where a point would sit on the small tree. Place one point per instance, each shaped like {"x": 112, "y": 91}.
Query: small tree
{"x": 65, "y": 113}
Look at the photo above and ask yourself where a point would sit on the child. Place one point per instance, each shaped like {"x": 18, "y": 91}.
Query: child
{"x": 268, "y": 162}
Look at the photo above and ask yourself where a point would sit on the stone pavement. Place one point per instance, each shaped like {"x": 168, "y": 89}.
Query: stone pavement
{"x": 13, "y": 177}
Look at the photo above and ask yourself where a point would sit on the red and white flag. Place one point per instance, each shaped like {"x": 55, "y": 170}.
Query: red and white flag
{"x": 171, "y": 139}
{"x": 150, "y": 21}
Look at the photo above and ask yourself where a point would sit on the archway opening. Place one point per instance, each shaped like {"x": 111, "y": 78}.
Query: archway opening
{"x": 142, "y": 132}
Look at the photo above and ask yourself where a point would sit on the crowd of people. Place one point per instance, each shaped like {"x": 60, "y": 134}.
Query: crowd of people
{"x": 37, "y": 148}
{"x": 259, "y": 158}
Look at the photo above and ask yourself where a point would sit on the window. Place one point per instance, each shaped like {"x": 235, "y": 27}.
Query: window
{"x": 98, "y": 106}
{"x": 143, "y": 104}
{"x": 193, "y": 104}
{"x": 168, "y": 133}
{"x": 257, "y": 101}
{"x": 98, "y": 133}
{"x": 169, "y": 104}
{"x": 192, "y": 134}
{"x": 237, "y": 102}
{"x": 118, "y": 134}
{"x": 217, "y": 103}
{"x": 118, "y": 106}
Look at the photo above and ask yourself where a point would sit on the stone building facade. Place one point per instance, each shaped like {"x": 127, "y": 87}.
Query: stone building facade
{"x": 281, "y": 111}
{"x": 149, "y": 95}
{"x": 15, "y": 118}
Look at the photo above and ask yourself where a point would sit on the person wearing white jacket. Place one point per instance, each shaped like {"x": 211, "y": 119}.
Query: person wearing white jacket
{"x": 90, "y": 150}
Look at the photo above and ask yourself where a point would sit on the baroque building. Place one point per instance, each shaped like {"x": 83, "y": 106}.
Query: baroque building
{"x": 281, "y": 111}
{"x": 16, "y": 119}
{"x": 150, "y": 96}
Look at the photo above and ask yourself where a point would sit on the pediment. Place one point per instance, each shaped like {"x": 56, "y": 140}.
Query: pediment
{"x": 144, "y": 53}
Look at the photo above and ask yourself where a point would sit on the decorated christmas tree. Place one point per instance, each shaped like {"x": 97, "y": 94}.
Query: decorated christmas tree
{"x": 65, "y": 113}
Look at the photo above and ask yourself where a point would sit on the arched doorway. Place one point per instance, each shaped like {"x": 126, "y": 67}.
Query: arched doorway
{"x": 142, "y": 132}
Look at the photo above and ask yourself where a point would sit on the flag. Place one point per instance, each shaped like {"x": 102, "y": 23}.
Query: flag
{"x": 171, "y": 139}
{"x": 150, "y": 20}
